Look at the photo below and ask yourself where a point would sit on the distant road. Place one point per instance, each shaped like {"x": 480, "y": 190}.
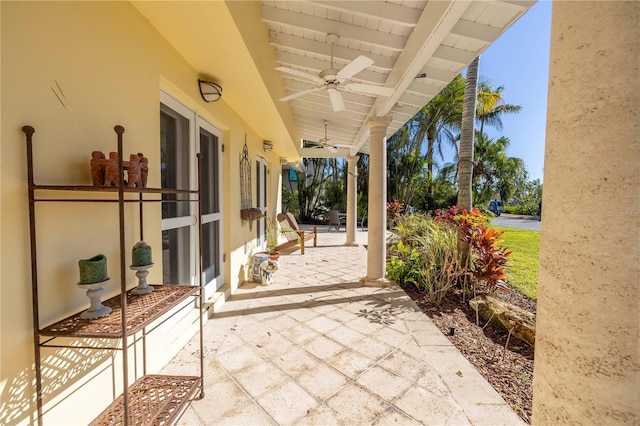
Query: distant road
{"x": 517, "y": 221}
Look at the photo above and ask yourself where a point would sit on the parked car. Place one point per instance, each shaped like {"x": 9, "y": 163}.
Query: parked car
{"x": 496, "y": 207}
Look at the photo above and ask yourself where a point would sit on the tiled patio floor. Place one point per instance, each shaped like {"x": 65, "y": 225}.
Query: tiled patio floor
{"x": 318, "y": 348}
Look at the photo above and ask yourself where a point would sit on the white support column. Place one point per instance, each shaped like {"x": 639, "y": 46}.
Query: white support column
{"x": 352, "y": 200}
{"x": 377, "y": 216}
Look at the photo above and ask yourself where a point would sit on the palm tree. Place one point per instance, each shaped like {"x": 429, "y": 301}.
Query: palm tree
{"x": 491, "y": 106}
{"x": 465, "y": 154}
{"x": 494, "y": 172}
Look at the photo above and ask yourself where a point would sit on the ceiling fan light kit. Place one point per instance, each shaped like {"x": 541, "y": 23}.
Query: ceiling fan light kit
{"x": 332, "y": 80}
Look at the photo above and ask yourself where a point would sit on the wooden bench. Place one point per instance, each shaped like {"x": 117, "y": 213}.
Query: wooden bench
{"x": 294, "y": 235}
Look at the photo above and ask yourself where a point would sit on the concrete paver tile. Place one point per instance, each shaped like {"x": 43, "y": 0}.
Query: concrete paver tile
{"x": 402, "y": 364}
{"x": 322, "y": 347}
{"x": 462, "y": 380}
{"x": 349, "y": 363}
{"x": 288, "y": 403}
{"x": 295, "y": 362}
{"x": 322, "y": 324}
{"x": 426, "y": 333}
{"x": 239, "y": 359}
{"x": 260, "y": 378}
{"x": 393, "y": 417}
{"x": 220, "y": 398}
{"x": 301, "y": 314}
{"x": 299, "y": 333}
{"x": 345, "y": 335}
{"x": 190, "y": 418}
{"x": 383, "y": 383}
{"x": 356, "y": 406}
{"x": 431, "y": 381}
{"x": 280, "y": 322}
{"x": 426, "y": 407}
{"x": 392, "y": 337}
{"x": 372, "y": 348}
{"x": 322, "y": 381}
{"x": 250, "y": 414}
{"x": 497, "y": 415}
{"x": 321, "y": 415}
{"x": 272, "y": 345}
{"x": 341, "y": 315}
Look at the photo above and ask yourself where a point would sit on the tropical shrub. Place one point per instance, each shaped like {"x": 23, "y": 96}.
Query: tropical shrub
{"x": 488, "y": 260}
{"x": 425, "y": 256}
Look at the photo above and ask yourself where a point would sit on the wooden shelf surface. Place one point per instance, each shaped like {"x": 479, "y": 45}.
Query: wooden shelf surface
{"x": 153, "y": 400}
{"x": 141, "y": 311}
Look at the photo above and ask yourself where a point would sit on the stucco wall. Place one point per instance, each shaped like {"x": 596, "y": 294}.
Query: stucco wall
{"x": 107, "y": 65}
{"x": 588, "y": 330}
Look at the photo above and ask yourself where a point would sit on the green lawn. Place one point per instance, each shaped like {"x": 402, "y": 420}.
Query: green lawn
{"x": 523, "y": 271}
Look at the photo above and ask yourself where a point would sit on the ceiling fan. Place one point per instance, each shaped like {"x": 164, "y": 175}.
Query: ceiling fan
{"x": 328, "y": 143}
{"x": 332, "y": 79}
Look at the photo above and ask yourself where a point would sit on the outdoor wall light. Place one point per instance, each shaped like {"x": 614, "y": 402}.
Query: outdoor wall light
{"x": 267, "y": 146}
{"x": 209, "y": 90}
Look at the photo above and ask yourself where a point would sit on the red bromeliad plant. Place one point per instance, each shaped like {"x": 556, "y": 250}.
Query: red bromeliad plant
{"x": 458, "y": 218}
{"x": 488, "y": 260}
{"x": 394, "y": 209}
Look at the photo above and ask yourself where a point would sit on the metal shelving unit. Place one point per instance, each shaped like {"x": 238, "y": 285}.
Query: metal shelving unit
{"x": 152, "y": 399}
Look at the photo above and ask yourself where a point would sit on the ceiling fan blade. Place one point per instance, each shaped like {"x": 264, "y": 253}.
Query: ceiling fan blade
{"x": 336, "y": 100}
{"x": 331, "y": 148}
{"x": 301, "y": 74}
{"x": 354, "y": 67}
{"x": 342, "y": 145}
{"x": 301, "y": 93}
{"x": 370, "y": 89}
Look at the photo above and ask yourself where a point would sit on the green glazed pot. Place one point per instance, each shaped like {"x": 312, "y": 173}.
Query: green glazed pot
{"x": 93, "y": 270}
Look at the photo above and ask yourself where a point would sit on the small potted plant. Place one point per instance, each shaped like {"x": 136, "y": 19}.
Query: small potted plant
{"x": 272, "y": 238}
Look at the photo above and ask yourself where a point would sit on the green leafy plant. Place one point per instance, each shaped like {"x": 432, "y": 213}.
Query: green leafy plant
{"x": 425, "y": 256}
{"x": 488, "y": 260}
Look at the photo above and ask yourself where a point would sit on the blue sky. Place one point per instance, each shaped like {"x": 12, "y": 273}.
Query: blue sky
{"x": 519, "y": 61}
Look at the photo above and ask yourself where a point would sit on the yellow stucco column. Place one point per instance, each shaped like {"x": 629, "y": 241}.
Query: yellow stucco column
{"x": 377, "y": 212}
{"x": 588, "y": 325}
{"x": 352, "y": 200}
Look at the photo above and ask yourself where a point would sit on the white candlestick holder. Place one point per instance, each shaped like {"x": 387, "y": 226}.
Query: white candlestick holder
{"x": 142, "y": 272}
{"x": 94, "y": 293}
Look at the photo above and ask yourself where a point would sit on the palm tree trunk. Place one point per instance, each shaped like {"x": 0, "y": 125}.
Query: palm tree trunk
{"x": 465, "y": 156}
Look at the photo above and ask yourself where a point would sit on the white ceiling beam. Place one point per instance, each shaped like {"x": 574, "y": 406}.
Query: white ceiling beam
{"x": 522, "y": 5}
{"x": 452, "y": 54}
{"x": 321, "y": 25}
{"x": 412, "y": 99}
{"x": 439, "y": 74}
{"x": 337, "y": 125}
{"x": 383, "y": 11}
{"x": 312, "y": 115}
{"x": 322, "y": 48}
{"x": 423, "y": 89}
{"x": 405, "y": 109}
{"x": 475, "y": 31}
{"x": 436, "y": 21}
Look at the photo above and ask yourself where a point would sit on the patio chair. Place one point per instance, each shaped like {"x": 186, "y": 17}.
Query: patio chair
{"x": 336, "y": 219}
{"x": 294, "y": 235}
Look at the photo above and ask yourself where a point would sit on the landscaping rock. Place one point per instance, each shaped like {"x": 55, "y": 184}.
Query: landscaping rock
{"x": 521, "y": 323}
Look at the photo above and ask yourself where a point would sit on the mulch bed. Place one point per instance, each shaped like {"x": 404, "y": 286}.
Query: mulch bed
{"x": 509, "y": 371}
